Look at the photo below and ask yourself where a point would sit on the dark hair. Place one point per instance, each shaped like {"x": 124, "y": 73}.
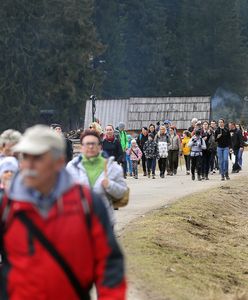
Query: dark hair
{"x": 213, "y": 121}
{"x": 144, "y": 127}
{"x": 88, "y": 132}
{"x": 222, "y": 120}
{"x": 205, "y": 122}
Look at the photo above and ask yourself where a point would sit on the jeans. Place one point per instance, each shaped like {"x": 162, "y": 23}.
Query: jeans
{"x": 143, "y": 158}
{"x": 129, "y": 164}
{"x": 173, "y": 160}
{"x": 162, "y": 165}
{"x": 240, "y": 155}
{"x": 206, "y": 156}
{"x": 124, "y": 164}
{"x": 223, "y": 160}
{"x": 187, "y": 162}
{"x": 151, "y": 165}
{"x": 196, "y": 164}
{"x": 236, "y": 166}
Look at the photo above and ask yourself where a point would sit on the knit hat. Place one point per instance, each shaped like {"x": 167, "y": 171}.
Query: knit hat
{"x": 121, "y": 125}
{"x": 8, "y": 163}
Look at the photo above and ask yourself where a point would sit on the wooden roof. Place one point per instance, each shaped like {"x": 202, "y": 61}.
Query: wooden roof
{"x": 138, "y": 112}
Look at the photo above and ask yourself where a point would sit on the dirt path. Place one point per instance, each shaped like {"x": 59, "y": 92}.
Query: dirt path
{"x": 149, "y": 194}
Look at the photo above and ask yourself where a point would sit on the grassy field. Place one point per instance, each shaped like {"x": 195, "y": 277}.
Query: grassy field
{"x": 196, "y": 249}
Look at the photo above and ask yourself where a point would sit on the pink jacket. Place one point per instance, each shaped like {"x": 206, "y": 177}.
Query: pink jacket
{"x": 131, "y": 151}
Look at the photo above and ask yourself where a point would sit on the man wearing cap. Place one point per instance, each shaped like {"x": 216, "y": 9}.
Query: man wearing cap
{"x": 56, "y": 236}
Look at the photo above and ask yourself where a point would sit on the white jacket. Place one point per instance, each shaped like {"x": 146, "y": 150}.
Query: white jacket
{"x": 117, "y": 184}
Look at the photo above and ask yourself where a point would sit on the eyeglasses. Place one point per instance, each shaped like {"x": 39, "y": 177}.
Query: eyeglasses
{"x": 90, "y": 144}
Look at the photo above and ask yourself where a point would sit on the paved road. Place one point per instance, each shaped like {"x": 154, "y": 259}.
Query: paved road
{"x": 147, "y": 194}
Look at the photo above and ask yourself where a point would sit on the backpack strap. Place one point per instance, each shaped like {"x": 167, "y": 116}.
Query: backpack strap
{"x": 82, "y": 292}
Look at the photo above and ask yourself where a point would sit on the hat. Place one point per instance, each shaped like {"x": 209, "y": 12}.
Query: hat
{"x": 133, "y": 141}
{"x": 121, "y": 125}
{"x": 39, "y": 139}
{"x": 167, "y": 122}
{"x": 8, "y": 163}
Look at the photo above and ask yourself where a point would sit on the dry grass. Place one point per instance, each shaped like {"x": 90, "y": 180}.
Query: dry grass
{"x": 196, "y": 249}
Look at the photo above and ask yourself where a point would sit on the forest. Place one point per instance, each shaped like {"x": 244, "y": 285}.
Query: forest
{"x": 56, "y": 53}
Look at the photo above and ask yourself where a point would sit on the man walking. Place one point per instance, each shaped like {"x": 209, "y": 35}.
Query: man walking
{"x": 56, "y": 237}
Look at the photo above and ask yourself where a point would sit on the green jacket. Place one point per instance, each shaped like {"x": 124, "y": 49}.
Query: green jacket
{"x": 123, "y": 140}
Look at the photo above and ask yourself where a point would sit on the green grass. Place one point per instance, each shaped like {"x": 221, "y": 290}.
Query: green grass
{"x": 196, "y": 249}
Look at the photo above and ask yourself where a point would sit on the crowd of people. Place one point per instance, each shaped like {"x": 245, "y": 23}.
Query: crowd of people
{"x": 57, "y": 213}
{"x": 56, "y": 222}
{"x": 205, "y": 146}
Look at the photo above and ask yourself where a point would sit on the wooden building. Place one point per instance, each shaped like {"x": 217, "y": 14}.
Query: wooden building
{"x": 138, "y": 112}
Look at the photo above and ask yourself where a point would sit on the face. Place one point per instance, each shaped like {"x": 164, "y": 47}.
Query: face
{"x": 6, "y": 177}
{"x": 162, "y": 130}
{"x": 237, "y": 126}
{"x": 109, "y": 131}
{"x": 58, "y": 129}
{"x": 7, "y": 149}
{"x": 90, "y": 146}
{"x": 221, "y": 123}
{"x": 171, "y": 131}
{"x": 152, "y": 128}
{"x": 205, "y": 126}
{"x": 231, "y": 126}
{"x": 213, "y": 124}
{"x": 144, "y": 132}
{"x": 39, "y": 171}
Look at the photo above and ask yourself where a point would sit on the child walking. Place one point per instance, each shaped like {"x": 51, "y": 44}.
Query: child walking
{"x": 186, "y": 150}
{"x": 151, "y": 153}
{"x": 135, "y": 156}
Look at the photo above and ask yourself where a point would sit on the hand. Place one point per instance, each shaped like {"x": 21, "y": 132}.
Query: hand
{"x": 219, "y": 135}
{"x": 105, "y": 183}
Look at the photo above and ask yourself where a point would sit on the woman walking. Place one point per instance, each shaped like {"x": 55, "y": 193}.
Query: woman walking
{"x": 90, "y": 168}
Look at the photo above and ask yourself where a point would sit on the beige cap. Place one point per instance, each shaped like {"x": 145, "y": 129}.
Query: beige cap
{"x": 40, "y": 139}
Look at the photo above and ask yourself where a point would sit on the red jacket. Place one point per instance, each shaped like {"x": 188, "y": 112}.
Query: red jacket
{"x": 29, "y": 272}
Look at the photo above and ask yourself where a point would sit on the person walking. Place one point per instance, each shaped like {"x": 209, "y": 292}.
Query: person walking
{"x": 173, "y": 154}
{"x": 197, "y": 144}
{"x": 69, "y": 147}
{"x": 206, "y": 153}
{"x": 128, "y": 158}
{"x": 56, "y": 237}
{"x": 213, "y": 148}
{"x": 135, "y": 155}
{"x": 162, "y": 140}
{"x": 111, "y": 145}
{"x": 186, "y": 150}
{"x": 141, "y": 140}
{"x": 237, "y": 145}
{"x": 89, "y": 169}
{"x": 223, "y": 139}
{"x": 124, "y": 145}
{"x": 151, "y": 153}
